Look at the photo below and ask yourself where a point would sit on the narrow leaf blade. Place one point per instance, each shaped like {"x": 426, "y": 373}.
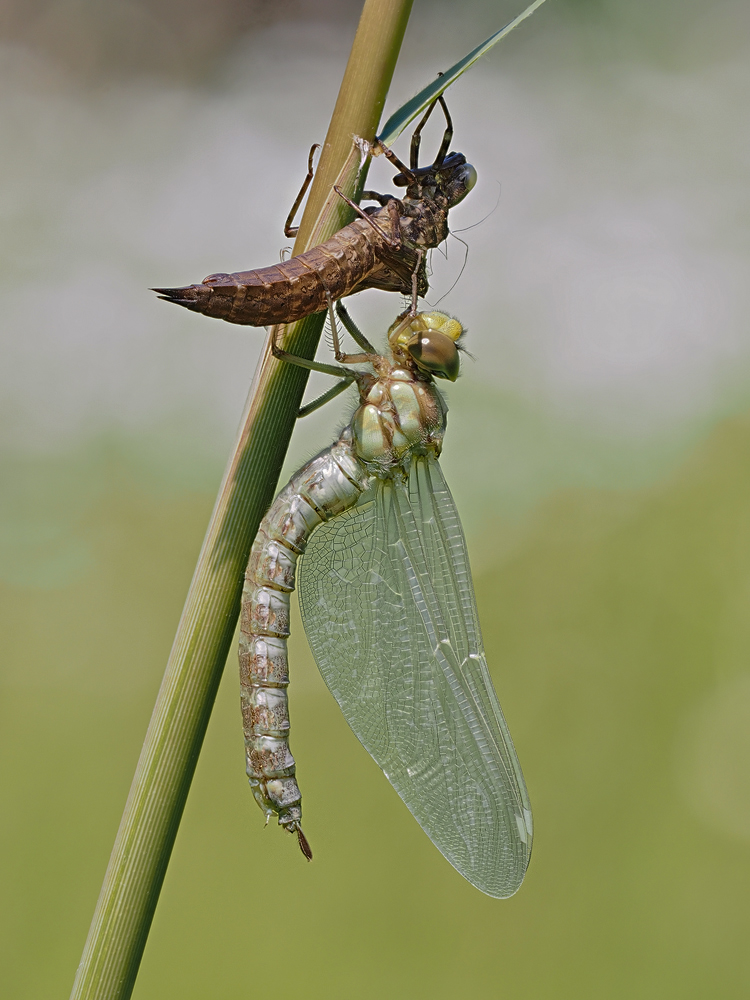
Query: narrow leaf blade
{"x": 409, "y": 111}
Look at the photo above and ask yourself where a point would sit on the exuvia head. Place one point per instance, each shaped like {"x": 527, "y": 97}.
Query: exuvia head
{"x": 459, "y": 183}
{"x": 430, "y": 339}
{"x": 454, "y": 178}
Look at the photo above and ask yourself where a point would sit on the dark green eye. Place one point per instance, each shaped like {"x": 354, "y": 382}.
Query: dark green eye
{"x": 435, "y": 353}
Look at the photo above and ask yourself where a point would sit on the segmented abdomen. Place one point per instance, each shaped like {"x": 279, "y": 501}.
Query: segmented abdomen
{"x": 285, "y": 292}
{"x": 328, "y": 485}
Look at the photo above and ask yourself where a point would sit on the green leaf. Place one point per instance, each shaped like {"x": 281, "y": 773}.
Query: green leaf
{"x": 409, "y": 111}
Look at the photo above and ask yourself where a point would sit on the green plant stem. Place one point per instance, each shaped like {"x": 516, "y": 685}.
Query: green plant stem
{"x": 149, "y": 825}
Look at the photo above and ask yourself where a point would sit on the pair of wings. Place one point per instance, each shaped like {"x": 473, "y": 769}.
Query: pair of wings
{"x": 389, "y": 611}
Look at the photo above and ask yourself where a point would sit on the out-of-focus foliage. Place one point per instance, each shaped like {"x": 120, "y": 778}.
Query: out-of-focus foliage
{"x": 617, "y": 631}
{"x": 598, "y": 449}
{"x": 176, "y": 40}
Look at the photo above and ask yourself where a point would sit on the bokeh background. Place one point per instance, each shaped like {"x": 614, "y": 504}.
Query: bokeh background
{"x": 598, "y": 449}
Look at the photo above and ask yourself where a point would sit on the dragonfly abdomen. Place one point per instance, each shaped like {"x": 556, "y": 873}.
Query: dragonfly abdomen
{"x": 328, "y": 485}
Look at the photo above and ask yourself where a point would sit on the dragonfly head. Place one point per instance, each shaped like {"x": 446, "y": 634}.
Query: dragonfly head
{"x": 454, "y": 178}
{"x": 430, "y": 340}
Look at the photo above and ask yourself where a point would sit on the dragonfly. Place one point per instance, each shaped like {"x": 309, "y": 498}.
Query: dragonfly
{"x": 385, "y": 247}
{"x": 389, "y": 611}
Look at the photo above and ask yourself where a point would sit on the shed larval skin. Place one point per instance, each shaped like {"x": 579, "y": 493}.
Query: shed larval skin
{"x": 384, "y": 248}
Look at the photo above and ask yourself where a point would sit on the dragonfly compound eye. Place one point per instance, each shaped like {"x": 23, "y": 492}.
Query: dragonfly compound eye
{"x": 407, "y": 327}
{"x": 435, "y": 353}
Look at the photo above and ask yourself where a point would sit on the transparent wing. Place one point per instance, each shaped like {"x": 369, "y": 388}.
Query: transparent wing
{"x": 389, "y": 611}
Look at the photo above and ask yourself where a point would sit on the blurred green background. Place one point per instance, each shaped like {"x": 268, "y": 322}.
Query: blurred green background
{"x": 598, "y": 449}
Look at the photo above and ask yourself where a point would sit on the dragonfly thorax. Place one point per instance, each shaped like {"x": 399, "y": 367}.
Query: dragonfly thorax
{"x": 402, "y": 412}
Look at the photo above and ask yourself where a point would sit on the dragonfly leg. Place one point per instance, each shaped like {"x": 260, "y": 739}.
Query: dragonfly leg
{"x": 382, "y": 199}
{"x": 313, "y": 366}
{"x": 289, "y": 229}
{"x": 415, "y": 283}
{"x": 391, "y": 241}
{"x": 447, "y": 135}
{"x": 352, "y": 328}
{"x": 392, "y": 158}
{"x": 347, "y": 359}
{"x": 416, "y": 137}
{"x": 346, "y": 376}
{"x": 325, "y": 397}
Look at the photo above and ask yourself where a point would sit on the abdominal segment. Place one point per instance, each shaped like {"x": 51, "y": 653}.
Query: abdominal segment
{"x": 329, "y": 484}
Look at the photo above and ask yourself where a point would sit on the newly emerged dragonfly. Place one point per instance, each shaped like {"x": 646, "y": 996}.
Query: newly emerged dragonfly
{"x": 384, "y": 248}
{"x": 389, "y": 611}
